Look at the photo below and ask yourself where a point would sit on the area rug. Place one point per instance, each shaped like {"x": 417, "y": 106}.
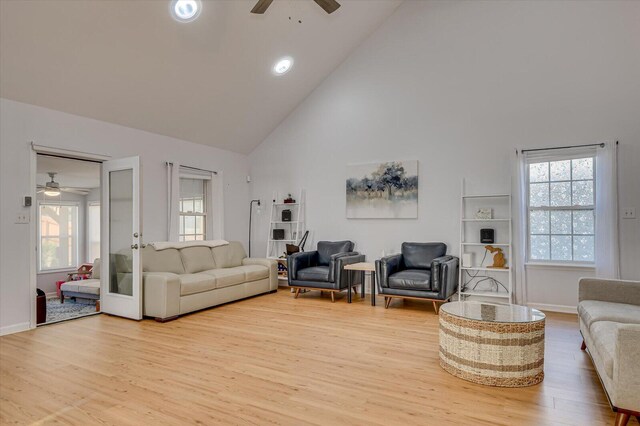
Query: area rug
{"x": 57, "y": 311}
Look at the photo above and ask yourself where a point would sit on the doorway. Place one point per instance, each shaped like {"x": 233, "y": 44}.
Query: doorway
{"x": 67, "y": 217}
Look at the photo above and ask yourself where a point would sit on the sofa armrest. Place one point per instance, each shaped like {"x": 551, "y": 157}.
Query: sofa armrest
{"x": 342, "y": 276}
{"x": 386, "y": 266}
{"x": 161, "y": 292}
{"x": 269, "y": 263}
{"x": 616, "y": 291}
{"x": 333, "y": 263}
{"x": 448, "y": 273}
{"x": 300, "y": 260}
{"x": 626, "y": 368}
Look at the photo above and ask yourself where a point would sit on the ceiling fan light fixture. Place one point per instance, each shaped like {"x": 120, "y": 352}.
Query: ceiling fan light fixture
{"x": 52, "y": 192}
{"x": 185, "y": 10}
{"x": 283, "y": 66}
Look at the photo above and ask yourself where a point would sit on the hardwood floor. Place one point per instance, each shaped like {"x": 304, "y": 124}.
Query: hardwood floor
{"x": 278, "y": 360}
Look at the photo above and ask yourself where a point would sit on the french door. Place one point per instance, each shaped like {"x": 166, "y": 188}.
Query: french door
{"x": 121, "y": 239}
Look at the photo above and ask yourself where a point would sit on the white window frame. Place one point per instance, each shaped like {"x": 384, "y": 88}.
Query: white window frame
{"x": 76, "y": 234}
{"x": 551, "y": 158}
{"x": 206, "y": 201}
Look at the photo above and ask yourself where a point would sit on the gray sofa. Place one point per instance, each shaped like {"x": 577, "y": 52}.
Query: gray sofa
{"x": 179, "y": 281}
{"x": 609, "y": 313}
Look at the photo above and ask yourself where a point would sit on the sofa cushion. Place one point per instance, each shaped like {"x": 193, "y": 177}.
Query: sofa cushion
{"x": 328, "y": 248}
{"x": 95, "y": 271}
{"x": 167, "y": 260}
{"x": 592, "y": 311}
{"x": 227, "y": 277}
{"x": 254, "y": 272}
{"x": 604, "y": 335}
{"x": 197, "y": 259}
{"x": 411, "y": 279}
{"x": 228, "y": 256}
{"x": 420, "y": 255}
{"x": 315, "y": 273}
{"x": 91, "y": 286}
{"x": 196, "y": 283}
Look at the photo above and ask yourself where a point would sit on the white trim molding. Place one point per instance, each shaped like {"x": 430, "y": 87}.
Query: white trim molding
{"x": 554, "y": 308}
{"x": 15, "y": 328}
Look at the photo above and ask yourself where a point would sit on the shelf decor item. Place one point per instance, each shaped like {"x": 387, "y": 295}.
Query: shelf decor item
{"x": 487, "y": 236}
{"x": 286, "y": 215}
{"x": 382, "y": 190}
{"x": 484, "y": 213}
{"x": 289, "y": 200}
{"x": 499, "y": 261}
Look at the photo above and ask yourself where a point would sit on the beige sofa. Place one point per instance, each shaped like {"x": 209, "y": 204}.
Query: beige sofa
{"x": 179, "y": 281}
{"x": 609, "y": 312}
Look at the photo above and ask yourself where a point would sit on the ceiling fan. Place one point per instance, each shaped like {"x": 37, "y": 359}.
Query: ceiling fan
{"x": 53, "y": 188}
{"x": 329, "y": 6}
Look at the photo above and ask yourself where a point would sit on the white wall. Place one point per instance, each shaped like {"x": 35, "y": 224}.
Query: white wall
{"x": 21, "y": 123}
{"x": 459, "y": 86}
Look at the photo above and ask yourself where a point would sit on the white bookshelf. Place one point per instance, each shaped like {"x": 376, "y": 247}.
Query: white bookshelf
{"x": 293, "y": 230}
{"x": 479, "y": 280}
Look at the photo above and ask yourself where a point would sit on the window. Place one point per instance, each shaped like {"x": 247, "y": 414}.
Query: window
{"x": 58, "y": 236}
{"x": 93, "y": 235}
{"x": 561, "y": 198}
{"x": 193, "y": 209}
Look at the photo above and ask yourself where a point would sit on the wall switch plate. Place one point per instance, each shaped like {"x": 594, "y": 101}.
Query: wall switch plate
{"x": 629, "y": 213}
{"x": 22, "y": 218}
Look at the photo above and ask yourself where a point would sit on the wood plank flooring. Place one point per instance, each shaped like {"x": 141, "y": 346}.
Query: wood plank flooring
{"x": 276, "y": 360}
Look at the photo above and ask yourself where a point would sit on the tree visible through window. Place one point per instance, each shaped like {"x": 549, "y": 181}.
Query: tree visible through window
{"x": 58, "y": 245}
{"x": 561, "y": 203}
{"x": 193, "y": 210}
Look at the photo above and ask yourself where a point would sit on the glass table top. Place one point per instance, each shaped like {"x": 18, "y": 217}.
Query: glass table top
{"x": 482, "y": 311}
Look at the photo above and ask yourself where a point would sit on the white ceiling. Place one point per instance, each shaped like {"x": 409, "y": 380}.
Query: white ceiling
{"x": 209, "y": 81}
{"x": 69, "y": 173}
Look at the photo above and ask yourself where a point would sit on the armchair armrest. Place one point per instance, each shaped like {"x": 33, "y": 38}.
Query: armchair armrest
{"x": 301, "y": 260}
{"x": 448, "y": 276}
{"x": 161, "y": 294}
{"x": 617, "y": 291}
{"x": 386, "y": 266}
{"x": 341, "y": 277}
{"x": 333, "y": 263}
{"x": 436, "y": 272}
{"x": 269, "y": 263}
{"x": 626, "y": 368}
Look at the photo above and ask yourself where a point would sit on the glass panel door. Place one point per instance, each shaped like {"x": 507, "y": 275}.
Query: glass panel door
{"x": 121, "y": 282}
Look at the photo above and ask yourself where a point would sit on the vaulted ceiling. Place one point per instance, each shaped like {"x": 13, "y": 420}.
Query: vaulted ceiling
{"x": 208, "y": 81}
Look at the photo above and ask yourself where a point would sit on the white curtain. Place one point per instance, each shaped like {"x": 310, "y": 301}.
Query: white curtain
{"x": 173, "y": 200}
{"x": 607, "y": 245}
{"x": 520, "y": 246}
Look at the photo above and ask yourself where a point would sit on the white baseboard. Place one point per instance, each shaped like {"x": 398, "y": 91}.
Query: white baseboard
{"x": 15, "y": 328}
{"x": 554, "y": 308}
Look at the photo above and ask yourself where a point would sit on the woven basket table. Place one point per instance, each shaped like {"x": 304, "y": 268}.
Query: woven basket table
{"x": 491, "y": 344}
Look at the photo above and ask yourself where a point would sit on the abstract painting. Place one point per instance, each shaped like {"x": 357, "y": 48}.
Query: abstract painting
{"x": 383, "y": 190}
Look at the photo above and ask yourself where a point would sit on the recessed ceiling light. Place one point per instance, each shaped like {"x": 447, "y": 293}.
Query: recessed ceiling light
{"x": 185, "y": 10}
{"x": 283, "y": 66}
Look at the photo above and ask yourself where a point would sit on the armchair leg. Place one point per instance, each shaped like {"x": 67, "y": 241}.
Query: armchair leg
{"x": 333, "y": 297}
{"x": 387, "y": 302}
{"x": 435, "y": 306}
{"x": 583, "y": 346}
{"x": 622, "y": 418}
{"x": 297, "y": 293}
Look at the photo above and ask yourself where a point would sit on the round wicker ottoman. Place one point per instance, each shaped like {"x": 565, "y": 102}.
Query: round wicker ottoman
{"x": 495, "y": 345}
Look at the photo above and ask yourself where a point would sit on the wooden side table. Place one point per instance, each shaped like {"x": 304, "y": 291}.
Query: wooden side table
{"x": 364, "y": 267}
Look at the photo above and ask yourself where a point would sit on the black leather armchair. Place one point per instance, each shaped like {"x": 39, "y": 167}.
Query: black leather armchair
{"x": 323, "y": 269}
{"x": 421, "y": 271}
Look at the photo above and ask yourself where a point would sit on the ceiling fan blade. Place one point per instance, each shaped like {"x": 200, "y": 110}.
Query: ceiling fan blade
{"x": 79, "y": 191}
{"x": 329, "y": 6}
{"x": 261, "y": 7}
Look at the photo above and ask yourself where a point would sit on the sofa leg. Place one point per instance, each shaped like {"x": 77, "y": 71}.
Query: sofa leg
{"x": 62, "y": 297}
{"x": 97, "y": 305}
{"x": 333, "y": 297}
{"x": 297, "y": 293}
{"x": 435, "y": 306}
{"x": 622, "y": 418}
{"x": 167, "y": 319}
{"x": 583, "y": 346}
{"x": 387, "y": 302}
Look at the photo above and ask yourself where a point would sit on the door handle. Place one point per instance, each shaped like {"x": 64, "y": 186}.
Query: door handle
{"x": 135, "y": 235}
{"x": 134, "y": 246}
{"x": 143, "y": 245}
